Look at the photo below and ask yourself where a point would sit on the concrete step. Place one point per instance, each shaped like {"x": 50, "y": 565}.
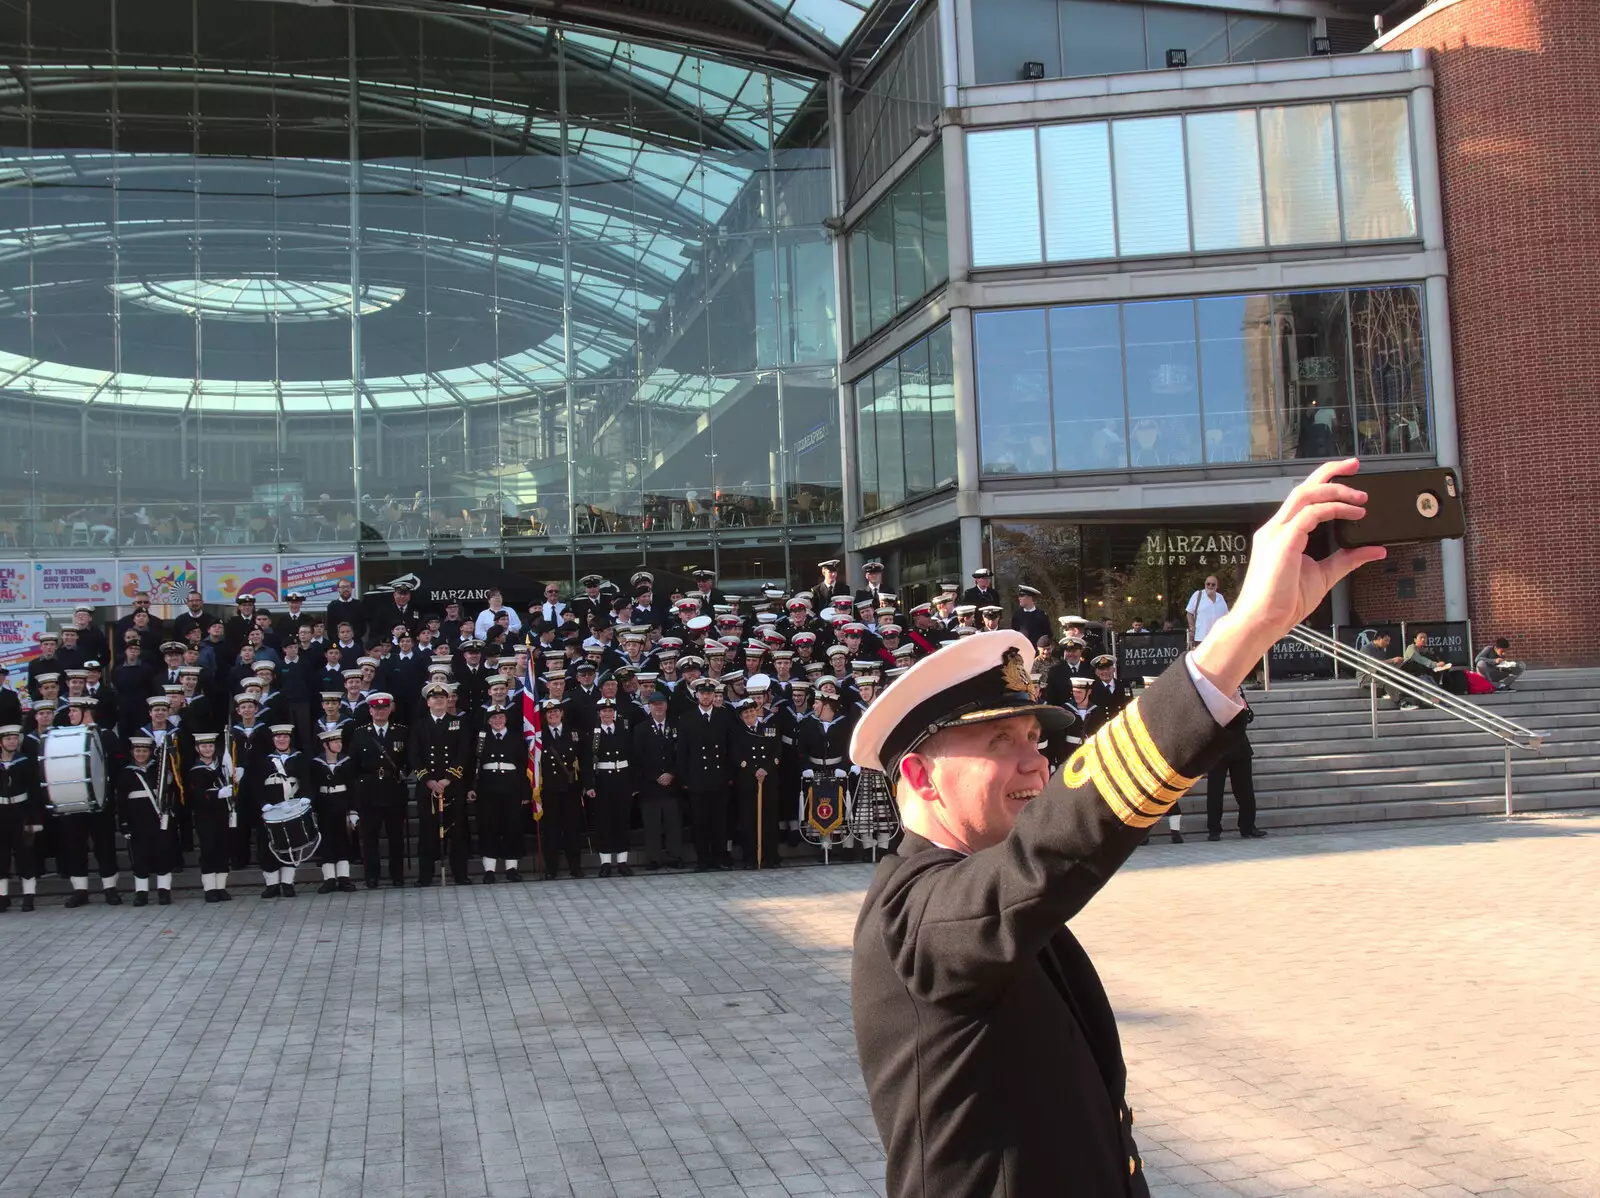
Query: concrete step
{"x": 1425, "y": 771}
{"x": 1378, "y": 812}
{"x": 1361, "y": 709}
{"x": 1381, "y": 755}
{"x": 1377, "y": 791}
{"x": 1403, "y": 724}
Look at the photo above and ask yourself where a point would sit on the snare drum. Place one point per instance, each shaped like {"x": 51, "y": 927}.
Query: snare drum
{"x": 291, "y": 831}
{"x": 74, "y": 770}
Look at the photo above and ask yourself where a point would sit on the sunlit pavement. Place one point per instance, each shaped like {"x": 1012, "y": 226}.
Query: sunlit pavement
{"x": 1391, "y": 1012}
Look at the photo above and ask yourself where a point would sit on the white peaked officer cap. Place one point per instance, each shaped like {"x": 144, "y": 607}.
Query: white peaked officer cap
{"x": 973, "y": 681}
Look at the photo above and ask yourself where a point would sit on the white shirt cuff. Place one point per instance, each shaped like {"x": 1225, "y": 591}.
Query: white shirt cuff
{"x": 1222, "y": 707}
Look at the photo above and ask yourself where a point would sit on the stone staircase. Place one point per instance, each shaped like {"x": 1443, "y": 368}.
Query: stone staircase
{"x": 1317, "y": 764}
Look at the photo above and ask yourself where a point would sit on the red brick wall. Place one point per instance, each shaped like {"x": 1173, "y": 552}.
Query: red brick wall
{"x": 1377, "y": 592}
{"x": 1518, "y": 99}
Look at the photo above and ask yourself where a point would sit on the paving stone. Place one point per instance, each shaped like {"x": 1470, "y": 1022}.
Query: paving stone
{"x": 1344, "y": 1015}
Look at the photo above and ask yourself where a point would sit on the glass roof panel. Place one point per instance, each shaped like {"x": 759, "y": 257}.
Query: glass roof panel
{"x": 835, "y": 20}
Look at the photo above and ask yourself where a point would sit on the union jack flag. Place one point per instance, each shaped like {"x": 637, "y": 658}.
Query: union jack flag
{"x": 533, "y": 733}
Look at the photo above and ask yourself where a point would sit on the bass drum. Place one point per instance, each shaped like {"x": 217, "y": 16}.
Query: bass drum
{"x": 74, "y": 771}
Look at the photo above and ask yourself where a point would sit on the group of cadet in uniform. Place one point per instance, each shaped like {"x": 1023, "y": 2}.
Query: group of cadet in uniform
{"x": 688, "y": 711}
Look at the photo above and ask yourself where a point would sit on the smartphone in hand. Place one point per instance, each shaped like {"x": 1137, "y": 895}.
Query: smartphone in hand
{"x": 1405, "y": 507}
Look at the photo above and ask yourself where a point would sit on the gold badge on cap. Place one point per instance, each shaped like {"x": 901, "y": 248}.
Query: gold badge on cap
{"x": 1012, "y": 672}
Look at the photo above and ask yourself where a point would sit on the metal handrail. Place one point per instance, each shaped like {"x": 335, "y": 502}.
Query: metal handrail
{"x": 1509, "y": 732}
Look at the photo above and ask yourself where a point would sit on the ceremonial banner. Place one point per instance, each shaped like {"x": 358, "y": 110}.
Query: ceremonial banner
{"x": 16, "y": 585}
{"x": 69, "y": 583}
{"x": 533, "y": 733}
{"x": 169, "y": 581}
{"x": 226, "y": 579}
{"x": 19, "y": 638}
{"x": 317, "y": 578}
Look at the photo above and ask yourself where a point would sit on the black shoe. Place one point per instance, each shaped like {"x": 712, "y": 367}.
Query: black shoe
{"x": 1177, "y": 838}
{"x": 141, "y": 898}
{"x": 652, "y": 865}
{"x": 78, "y": 898}
{"x": 511, "y": 876}
{"x": 163, "y": 898}
{"x": 211, "y": 896}
{"x": 1213, "y": 835}
{"x": 488, "y": 877}
{"x": 27, "y": 902}
{"x": 1253, "y": 834}
{"x": 398, "y": 883}
{"x": 421, "y": 883}
{"x": 1145, "y": 841}
{"x": 329, "y": 885}
{"x": 224, "y": 897}
{"x": 271, "y": 891}
{"x": 5, "y": 902}
{"x": 286, "y": 890}
{"x": 674, "y": 862}
{"x": 791, "y": 837}
{"x": 372, "y": 883}
{"x": 623, "y": 871}
{"x": 463, "y": 880}
{"x": 549, "y": 875}
{"x": 702, "y": 869}
{"x": 113, "y": 897}
{"x": 575, "y": 871}
{"x": 346, "y": 886}
{"x": 605, "y": 870}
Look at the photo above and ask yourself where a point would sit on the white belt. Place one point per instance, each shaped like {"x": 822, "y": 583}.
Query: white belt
{"x": 333, "y": 790}
{"x": 496, "y": 767}
{"x": 611, "y": 765}
{"x": 825, "y": 760}
{"x": 12, "y": 800}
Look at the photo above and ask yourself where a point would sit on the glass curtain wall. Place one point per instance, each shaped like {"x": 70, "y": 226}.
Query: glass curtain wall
{"x": 289, "y": 278}
{"x": 906, "y": 425}
{"x": 898, "y": 252}
{"x": 1207, "y": 381}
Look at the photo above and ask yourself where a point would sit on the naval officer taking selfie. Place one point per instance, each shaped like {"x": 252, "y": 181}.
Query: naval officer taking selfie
{"x": 988, "y": 1044}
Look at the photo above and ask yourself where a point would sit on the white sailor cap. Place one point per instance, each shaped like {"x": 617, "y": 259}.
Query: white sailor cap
{"x": 979, "y": 679}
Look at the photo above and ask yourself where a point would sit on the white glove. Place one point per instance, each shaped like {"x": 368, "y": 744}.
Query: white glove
{"x": 855, "y": 770}
{"x": 224, "y": 792}
{"x": 352, "y": 819}
{"x": 838, "y": 775}
{"x": 808, "y": 775}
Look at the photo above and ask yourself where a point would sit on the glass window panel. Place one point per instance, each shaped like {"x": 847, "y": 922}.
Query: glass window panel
{"x": 1390, "y": 368}
{"x": 935, "y": 247}
{"x": 1297, "y": 148}
{"x": 1086, "y": 372}
{"x": 880, "y": 267}
{"x": 1313, "y": 336}
{"x": 1203, "y": 33}
{"x": 1013, "y": 380}
{"x": 1236, "y": 378}
{"x": 860, "y": 286}
{"x": 891, "y": 453}
{"x": 867, "y": 446}
{"x": 1163, "y": 383}
{"x": 1101, "y": 37}
{"x": 1225, "y": 180}
{"x": 1258, "y": 39}
{"x": 1003, "y": 180}
{"x": 1013, "y": 32}
{"x": 1375, "y": 169}
{"x": 916, "y": 420}
{"x": 1075, "y": 166}
{"x": 1152, "y": 207}
{"x": 942, "y": 406}
{"x": 910, "y": 278}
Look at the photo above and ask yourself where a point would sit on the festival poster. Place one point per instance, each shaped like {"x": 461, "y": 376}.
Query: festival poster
{"x": 317, "y": 578}
{"x": 19, "y": 638}
{"x": 16, "y": 585}
{"x": 169, "y": 581}
{"x": 225, "y": 579}
{"x": 69, "y": 583}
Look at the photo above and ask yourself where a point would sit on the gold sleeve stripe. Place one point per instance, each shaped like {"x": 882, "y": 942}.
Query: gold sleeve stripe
{"x": 1077, "y": 771}
{"x": 1113, "y": 796}
{"x": 1158, "y": 763}
{"x": 1112, "y": 770}
{"x": 1156, "y": 788}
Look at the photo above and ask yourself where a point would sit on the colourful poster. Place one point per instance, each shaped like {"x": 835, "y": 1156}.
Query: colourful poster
{"x": 69, "y": 583}
{"x": 225, "y": 579}
{"x": 19, "y": 638}
{"x": 168, "y": 581}
{"x": 16, "y": 585}
{"x": 317, "y": 578}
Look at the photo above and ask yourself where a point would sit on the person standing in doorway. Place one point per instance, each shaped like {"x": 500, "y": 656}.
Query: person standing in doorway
{"x": 1204, "y": 609}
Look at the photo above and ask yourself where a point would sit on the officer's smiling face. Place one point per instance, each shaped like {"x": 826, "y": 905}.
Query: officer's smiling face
{"x": 976, "y": 780}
